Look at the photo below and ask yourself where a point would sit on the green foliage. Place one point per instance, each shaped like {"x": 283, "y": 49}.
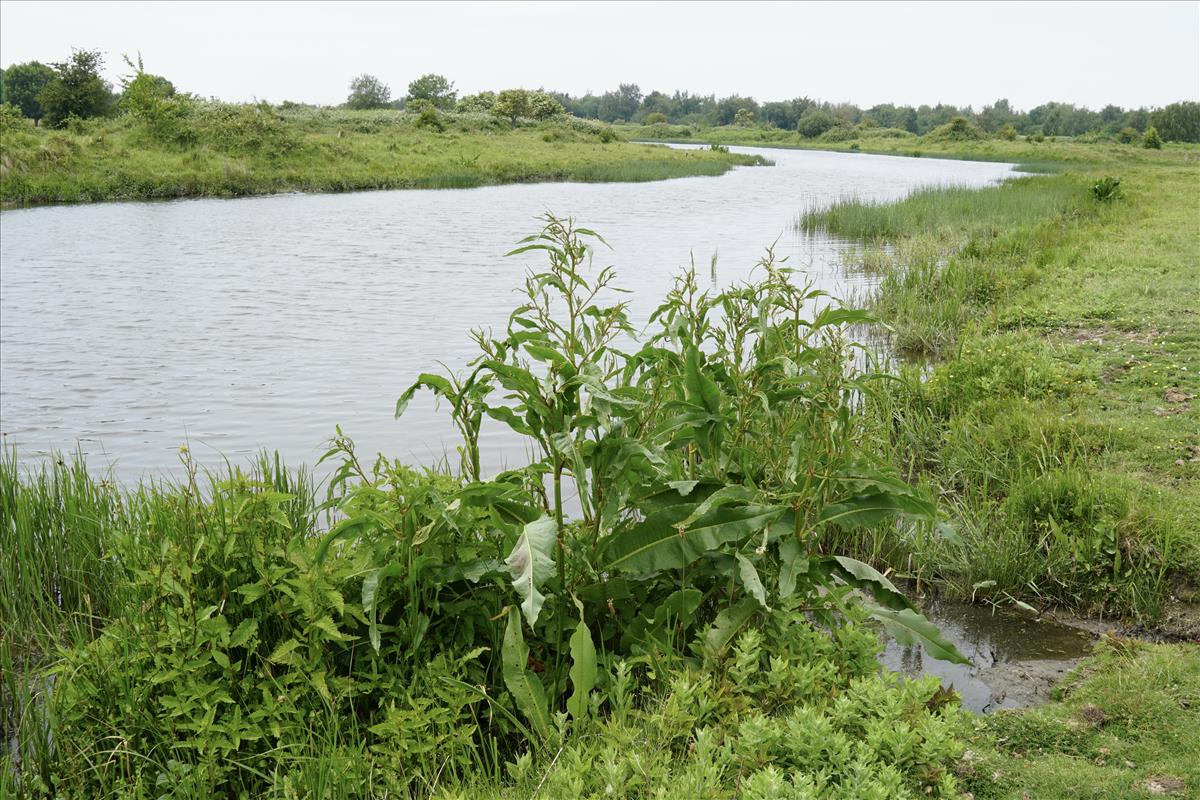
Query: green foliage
{"x": 435, "y": 89}
{"x": 77, "y": 90}
{"x": 814, "y": 123}
{"x": 1129, "y": 135}
{"x": 743, "y": 118}
{"x": 958, "y": 129}
{"x": 654, "y": 118}
{"x": 23, "y": 84}
{"x": 446, "y": 623}
{"x": 1107, "y": 189}
{"x": 367, "y": 91}
{"x": 151, "y": 99}
{"x": 476, "y": 103}
{"x": 1178, "y": 122}
{"x": 515, "y": 104}
{"x": 1008, "y": 133}
{"x": 1151, "y": 140}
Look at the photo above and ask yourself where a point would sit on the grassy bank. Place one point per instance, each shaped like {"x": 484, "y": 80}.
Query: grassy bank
{"x": 1054, "y": 344}
{"x": 1121, "y": 727}
{"x": 221, "y": 151}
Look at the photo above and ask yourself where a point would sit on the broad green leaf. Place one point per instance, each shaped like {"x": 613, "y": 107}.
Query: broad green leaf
{"x": 792, "y": 562}
{"x": 727, "y": 626}
{"x": 524, "y": 686}
{"x": 583, "y": 668}
{"x": 243, "y": 632}
{"x": 864, "y": 576}
{"x": 909, "y": 627}
{"x": 831, "y": 315}
{"x": 531, "y": 563}
{"x": 657, "y": 543}
{"x": 436, "y": 383}
{"x": 751, "y": 581}
{"x": 700, "y": 389}
{"x": 370, "y": 589}
{"x": 345, "y": 528}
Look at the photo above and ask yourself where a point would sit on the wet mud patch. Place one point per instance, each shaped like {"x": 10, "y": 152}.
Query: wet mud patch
{"x": 1016, "y": 661}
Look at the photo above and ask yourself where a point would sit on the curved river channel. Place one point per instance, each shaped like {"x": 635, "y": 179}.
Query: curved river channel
{"x": 128, "y": 329}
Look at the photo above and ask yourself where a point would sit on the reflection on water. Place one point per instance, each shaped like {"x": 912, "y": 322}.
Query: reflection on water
{"x": 1015, "y": 658}
{"x": 263, "y": 322}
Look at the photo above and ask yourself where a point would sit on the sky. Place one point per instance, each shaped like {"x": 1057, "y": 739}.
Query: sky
{"x": 1090, "y": 54}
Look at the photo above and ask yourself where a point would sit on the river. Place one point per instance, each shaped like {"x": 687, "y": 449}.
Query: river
{"x": 234, "y": 325}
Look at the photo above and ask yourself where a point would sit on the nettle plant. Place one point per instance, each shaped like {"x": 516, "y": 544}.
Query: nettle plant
{"x": 714, "y": 459}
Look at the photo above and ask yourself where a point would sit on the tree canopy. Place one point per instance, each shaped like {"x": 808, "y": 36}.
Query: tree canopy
{"x": 435, "y": 88}
{"x": 77, "y": 89}
{"x": 23, "y": 83}
{"x": 367, "y": 91}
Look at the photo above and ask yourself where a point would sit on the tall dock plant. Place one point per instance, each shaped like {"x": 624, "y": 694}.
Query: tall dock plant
{"x": 714, "y": 460}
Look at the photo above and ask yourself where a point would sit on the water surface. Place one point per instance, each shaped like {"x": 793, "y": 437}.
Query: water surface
{"x": 127, "y": 329}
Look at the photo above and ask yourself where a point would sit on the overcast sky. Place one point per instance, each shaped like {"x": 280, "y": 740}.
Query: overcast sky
{"x": 1092, "y": 54}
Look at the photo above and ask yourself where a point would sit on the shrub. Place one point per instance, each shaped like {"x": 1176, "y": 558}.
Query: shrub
{"x": 1152, "y": 140}
{"x": 958, "y": 129}
{"x": 1128, "y": 135}
{"x": 1008, "y": 133}
{"x": 1106, "y": 189}
{"x": 654, "y": 118}
{"x": 814, "y": 123}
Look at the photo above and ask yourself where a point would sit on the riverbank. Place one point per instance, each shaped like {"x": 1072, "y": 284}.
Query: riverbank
{"x": 228, "y": 151}
{"x": 1049, "y": 388}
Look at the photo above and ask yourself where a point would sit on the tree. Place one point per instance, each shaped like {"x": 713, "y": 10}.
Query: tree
{"x": 1178, "y": 122}
{"x": 1151, "y": 140}
{"x": 22, "y": 85}
{"x": 434, "y": 88}
{"x": 367, "y": 91}
{"x": 814, "y": 123}
{"x": 743, "y": 118}
{"x": 517, "y": 103}
{"x": 77, "y": 89}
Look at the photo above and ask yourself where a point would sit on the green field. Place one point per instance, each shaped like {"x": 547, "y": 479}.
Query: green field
{"x": 226, "y": 150}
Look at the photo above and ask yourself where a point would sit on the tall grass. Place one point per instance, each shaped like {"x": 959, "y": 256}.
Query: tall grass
{"x": 1012, "y": 410}
{"x": 221, "y": 150}
{"x": 956, "y": 214}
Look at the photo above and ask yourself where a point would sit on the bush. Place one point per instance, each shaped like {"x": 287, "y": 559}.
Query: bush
{"x": 958, "y": 129}
{"x": 1128, "y": 135}
{"x": 654, "y": 118}
{"x": 1106, "y": 189}
{"x": 814, "y": 123}
{"x": 1152, "y": 141}
{"x": 1008, "y": 133}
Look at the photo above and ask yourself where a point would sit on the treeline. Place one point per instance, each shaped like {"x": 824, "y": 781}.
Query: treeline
{"x": 74, "y": 88}
{"x": 1176, "y": 122}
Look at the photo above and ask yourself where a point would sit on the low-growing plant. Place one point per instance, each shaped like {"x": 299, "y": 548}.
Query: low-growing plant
{"x": 1151, "y": 140}
{"x": 1107, "y": 189}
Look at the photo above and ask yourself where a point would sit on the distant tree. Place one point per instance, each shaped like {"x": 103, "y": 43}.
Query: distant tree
{"x": 367, "y": 91}
{"x": 514, "y": 104}
{"x": 1178, "y": 122}
{"x": 1008, "y": 132}
{"x": 476, "y": 103}
{"x": 623, "y": 104}
{"x": 1151, "y": 140}
{"x": 142, "y": 88}
{"x": 654, "y": 118}
{"x": 1128, "y": 135}
{"x": 814, "y": 123}
{"x": 434, "y": 88}
{"x": 22, "y": 85}
{"x": 77, "y": 89}
{"x": 743, "y": 118}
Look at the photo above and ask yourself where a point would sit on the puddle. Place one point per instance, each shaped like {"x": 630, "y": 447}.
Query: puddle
{"x": 1017, "y": 660}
